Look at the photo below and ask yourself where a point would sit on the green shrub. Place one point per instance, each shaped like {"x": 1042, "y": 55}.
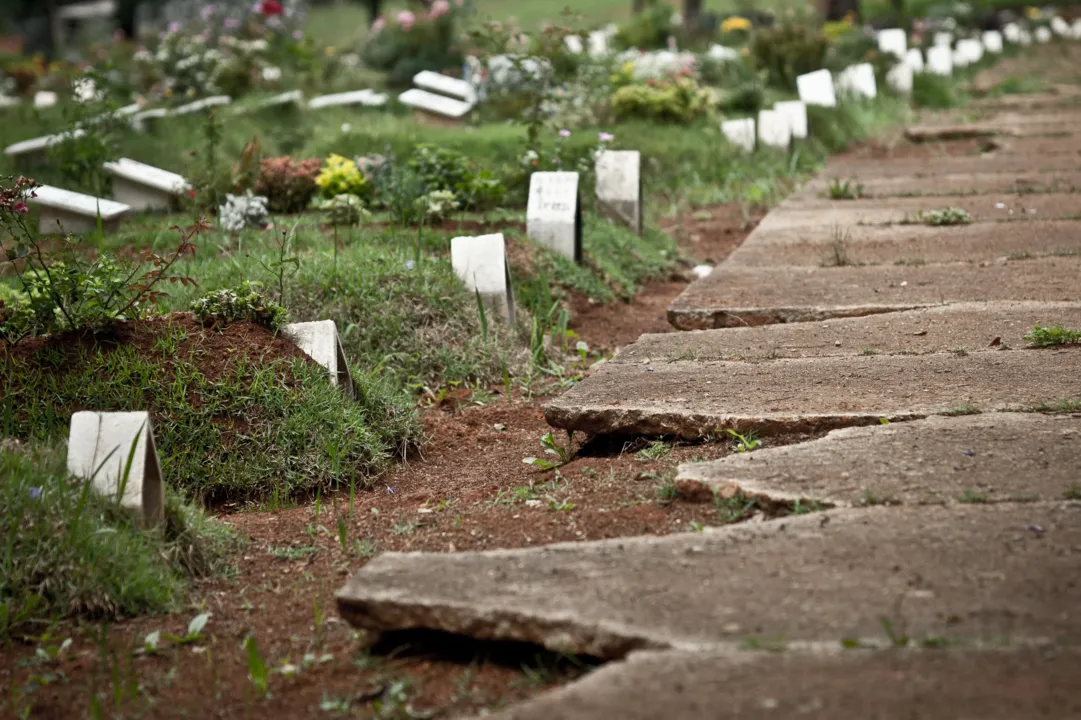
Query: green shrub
{"x": 341, "y": 176}
{"x": 437, "y": 205}
{"x": 247, "y": 302}
{"x": 750, "y": 97}
{"x": 933, "y": 91}
{"x": 678, "y": 100}
{"x": 788, "y": 50}
{"x": 647, "y": 30}
{"x": 403, "y": 47}
{"x": 287, "y": 184}
{"x": 441, "y": 168}
{"x": 345, "y": 210}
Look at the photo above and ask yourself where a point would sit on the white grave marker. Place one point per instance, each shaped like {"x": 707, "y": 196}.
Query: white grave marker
{"x": 1077, "y": 29}
{"x": 553, "y": 214}
{"x": 319, "y": 340}
{"x": 28, "y": 153}
{"x": 445, "y": 85}
{"x": 598, "y": 43}
{"x": 1060, "y": 26}
{"x": 1012, "y": 32}
{"x": 914, "y": 59}
{"x": 940, "y": 61}
{"x": 1042, "y": 34}
{"x": 367, "y": 98}
{"x": 619, "y": 186}
{"x": 816, "y": 88}
{"x": 72, "y": 212}
{"x": 972, "y": 50}
{"x": 992, "y": 41}
{"x": 943, "y": 39}
{"x": 900, "y": 78}
{"x": 574, "y": 44}
{"x": 740, "y": 133}
{"x": 858, "y": 81}
{"x": 144, "y": 187}
{"x": 774, "y": 129}
{"x": 893, "y": 40}
{"x": 796, "y": 113}
{"x": 481, "y": 263}
{"x": 431, "y": 107}
{"x": 1025, "y": 38}
{"x": 45, "y": 99}
{"x": 99, "y": 447}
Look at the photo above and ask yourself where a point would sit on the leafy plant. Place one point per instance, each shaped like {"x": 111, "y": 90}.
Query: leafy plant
{"x": 745, "y": 442}
{"x": 845, "y": 189}
{"x": 247, "y": 302}
{"x": 243, "y": 211}
{"x": 341, "y": 176}
{"x": 441, "y": 168}
{"x": 257, "y": 671}
{"x": 408, "y": 42}
{"x": 287, "y": 184}
{"x": 346, "y": 210}
{"x": 648, "y": 29}
{"x": 944, "y": 216}
{"x": 437, "y": 205}
{"x": 788, "y": 50}
{"x": 679, "y": 100}
{"x": 194, "y": 632}
{"x": 1040, "y": 336}
{"x": 551, "y": 447}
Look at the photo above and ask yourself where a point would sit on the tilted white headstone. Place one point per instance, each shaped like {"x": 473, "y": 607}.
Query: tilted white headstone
{"x": 144, "y": 187}
{"x": 940, "y": 61}
{"x": 431, "y": 104}
{"x": 900, "y": 78}
{"x": 28, "y": 153}
{"x": 893, "y": 40}
{"x": 619, "y": 186}
{"x": 45, "y": 99}
{"x": 444, "y": 85}
{"x": 972, "y": 49}
{"x": 319, "y": 340}
{"x": 367, "y": 98}
{"x": 574, "y": 44}
{"x": 1060, "y": 27}
{"x": 1012, "y": 32}
{"x": 1042, "y": 35}
{"x": 943, "y": 39}
{"x": 740, "y": 133}
{"x": 203, "y": 104}
{"x": 816, "y": 88}
{"x": 72, "y": 212}
{"x": 914, "y": 59}
{"x": 554, "y": 214}
{"x": 774, "y": 129}
{"x": 796, "y": 113}
{"x": 858, "y": 81}
{"x": 100, "y": 450}
{"x": 481, "y": 263}
{"x": 992, "y": 41}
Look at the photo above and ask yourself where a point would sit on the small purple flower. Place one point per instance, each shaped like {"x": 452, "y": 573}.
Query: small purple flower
{"x": 606, "y": 137}
{"x": 35, "y": 493}
{"x": 408, "y": 264}
{"x": 206, "y": 12}
{"x": 564, "y": 133}
{"x": 390, "y": 490}
{"x": 173, "y": 27}
{"x": 231, "y": 23}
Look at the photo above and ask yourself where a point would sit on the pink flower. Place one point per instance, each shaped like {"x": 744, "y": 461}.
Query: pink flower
{"x": 20, "y": 207}
{"x": 439, "y": 7}
{"x": 298, "y": 35}
{"x": 406, "y": 20}
{"x": 174, "y": 27}
{"x": 379, "y": 24}
{"x": 564, "y": 133}
{"x": 606, "y": 137}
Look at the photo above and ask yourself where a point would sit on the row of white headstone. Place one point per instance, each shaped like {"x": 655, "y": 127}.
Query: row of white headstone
{"x": 115, "y": 451}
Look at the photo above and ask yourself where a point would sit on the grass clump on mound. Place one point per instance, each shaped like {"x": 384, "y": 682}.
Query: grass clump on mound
{"x": 67, "y": 551}
{"x": 239, "y": 414}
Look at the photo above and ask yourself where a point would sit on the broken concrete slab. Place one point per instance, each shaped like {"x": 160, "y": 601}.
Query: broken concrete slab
{"x": 319, "y": 340}
{"x": 961, "y": 327}
{"x": 990, "y": 207}
{"x": 908, "y": 244}
{"x": 693, "y": 400}
{"x": 983, "y": 458}
{"x": 1055, "y": 181}
{"x": 992, "y": 684}
{"x": 971, "y": 572}
{"x": 733, "y": 296}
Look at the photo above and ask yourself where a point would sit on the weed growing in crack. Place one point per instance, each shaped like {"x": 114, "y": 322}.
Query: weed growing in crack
{"x": 551, "y": 447}
{"x": 734, "y": 509}
{"x": 656, "y": 450}
{"x": 745, "y": 442}
{"x": 667, "y": 491}
{"x": 838, "y": 253}
{"x": 404, "y": 527}
{"x": 845, "y": 189}
{"x": 941, "y": 217}
{"x": 974, "y": 497}
{"x": 1040, "y": 336}
{"x": 1066, "y": 405}
{"x": 871, "y": 499}
{"x": 1073, "y": 492}
{"x": 959, "y": 410}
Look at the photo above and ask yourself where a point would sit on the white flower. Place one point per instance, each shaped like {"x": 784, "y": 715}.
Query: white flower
{"x": 346, "y": 127}
{"x": 272, "y": 74}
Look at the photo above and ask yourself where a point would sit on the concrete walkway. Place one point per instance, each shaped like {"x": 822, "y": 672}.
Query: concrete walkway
{"x": 921, "y": 555}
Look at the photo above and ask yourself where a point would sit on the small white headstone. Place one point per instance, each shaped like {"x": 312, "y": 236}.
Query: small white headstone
{"x": 940, "y": 61}
{"x": 858, "y": 81}
{"x": 574, "y": 44}
{"x": 445, "y": 85}
{"x": 816, "y": 88}
{"x": 432, "y": 105}
{"x": 723, "y": 52}
{"x": 72, "y": 212}
{"x": 992, "y": 41}
{"x": 900, "y": 78}
{"x": 740, "y": 133}
{"x": 960, "y": 59}
{"x": 45, "y": 99}
{"x": 1025, "y": 38}
{"x": 1012, "y": 32}
{"x": 367, "y": 98}
{"x": 598, "y": 43}
{"x": 8, "y": 101}
{"x": 702, "y": 271}
{"x": 796, "y": 113}
{"x": 914, "y": 59}
{"x": 972, "y": 49}
{"x": 554, "y": 214}
{"x": 481, "y": 263}
{"x": 1042, "y": 34}
{"x": 1077, "y": 29}
{"x": 100, "y": 450}
{"x": 943, "y": 39}
{"x": 319, "y": 340}
{"x": 893, "y": 40}
{"x": 1060, "y": 27}
{"x": 619, "y": 186}
{"x": 774, "y": 129}
{"x": 144, "y": 187}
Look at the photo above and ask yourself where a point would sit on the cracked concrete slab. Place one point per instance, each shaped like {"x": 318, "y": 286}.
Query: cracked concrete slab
{"x": 991, "y": 457}
{"x": 991, "y": 684}
{"x": 809, "y": 211}
{"x": 695, "y": 399}
{"x": 907, "y": 244}
{"x": 1057, "y": 181}
{"x": 968, "y": 327}
{"x": 733, "y": 296}
{"x": 973, "y": 572}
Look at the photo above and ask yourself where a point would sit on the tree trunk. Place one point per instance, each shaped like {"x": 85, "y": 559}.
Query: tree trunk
{"x": 691, "y": 10}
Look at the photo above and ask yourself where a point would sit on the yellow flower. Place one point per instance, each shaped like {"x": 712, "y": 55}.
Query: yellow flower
{"x": 735, "y": 23}
{"x": 1032, "y": 12}
{"x": 331, "y": 50}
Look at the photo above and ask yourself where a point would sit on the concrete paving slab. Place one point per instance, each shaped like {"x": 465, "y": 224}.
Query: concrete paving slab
{"x": 1055, "y": 181}
{"x": 968, "y": 327}
{"x": 989, "y": 207}
{"x": 992, "y": 457}
{"x": 973, "y": 572}
{"x": 991, "y": 684}
{"x": 1005, "y": 161}
{"x": 696, "y": 399}
{"x": 908, "y": 244}
{"x": 733, "y": 296}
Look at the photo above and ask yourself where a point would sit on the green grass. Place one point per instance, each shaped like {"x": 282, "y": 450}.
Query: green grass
{"x": 1040, "y": 336}
{"x": 66, "y": 551}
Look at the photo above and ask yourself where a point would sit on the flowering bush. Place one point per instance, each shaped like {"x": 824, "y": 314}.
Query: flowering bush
{"x": 288, "y": 184}
{"x": 678, "y": 99}
{"x": 242, "y": 211}
{"x": 409, "y": 43}
{"x": 341, "y": 176}
{"x": 246, "y": 301}
{"x": 344, "y": 210}
{"x": 437, "y": 205}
